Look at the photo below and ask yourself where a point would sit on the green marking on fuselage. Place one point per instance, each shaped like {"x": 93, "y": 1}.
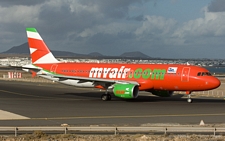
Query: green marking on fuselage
{"x": 147, "y": 73}
{"x": 137, "y": 73}
{"x": 158, "y": 74}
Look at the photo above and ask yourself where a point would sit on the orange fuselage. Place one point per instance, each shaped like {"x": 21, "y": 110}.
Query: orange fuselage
{"x": 172, "y": 77}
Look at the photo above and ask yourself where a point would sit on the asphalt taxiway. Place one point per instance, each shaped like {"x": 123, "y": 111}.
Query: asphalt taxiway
{"x": 52, "y": 104}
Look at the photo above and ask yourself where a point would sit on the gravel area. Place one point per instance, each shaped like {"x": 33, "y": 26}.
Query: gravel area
{"x": 39, "y": 136}
{"x": 137, "y": 137}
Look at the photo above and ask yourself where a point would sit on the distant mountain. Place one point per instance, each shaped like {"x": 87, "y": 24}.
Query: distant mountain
{"x": 135, "y": 54}
{"x": 24, "y": 50}
{"x": 21, "y": 49}
{"x": 66, "y": 53}
{"x": 95, "y": 54}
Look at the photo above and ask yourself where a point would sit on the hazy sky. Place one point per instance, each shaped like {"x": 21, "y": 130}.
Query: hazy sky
{"x": 158, "y": 28}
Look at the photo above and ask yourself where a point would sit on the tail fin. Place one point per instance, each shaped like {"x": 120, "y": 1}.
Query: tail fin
{"x": 40, "y": 54}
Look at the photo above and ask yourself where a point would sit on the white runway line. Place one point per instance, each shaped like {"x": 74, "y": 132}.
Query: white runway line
{"x": 4, "y": 115}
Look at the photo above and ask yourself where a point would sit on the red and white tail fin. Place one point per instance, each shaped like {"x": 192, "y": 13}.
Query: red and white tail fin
{"x": 40, "y": 54}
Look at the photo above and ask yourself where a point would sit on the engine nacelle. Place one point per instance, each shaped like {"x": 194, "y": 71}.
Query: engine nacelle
{"x": 162, "y": 93}
{"x": 126, "y": 91}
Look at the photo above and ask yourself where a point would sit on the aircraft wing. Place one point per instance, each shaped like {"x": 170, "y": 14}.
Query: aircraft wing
{"x": 36, "y": 70}
{"x": 88, "y": 79}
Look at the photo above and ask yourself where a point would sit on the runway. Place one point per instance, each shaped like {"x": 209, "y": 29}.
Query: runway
{"x": 52, "y": 104}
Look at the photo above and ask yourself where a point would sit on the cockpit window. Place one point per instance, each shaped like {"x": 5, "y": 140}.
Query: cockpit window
{"x": 208, "y": 73}
{"x": 204, "y": 74}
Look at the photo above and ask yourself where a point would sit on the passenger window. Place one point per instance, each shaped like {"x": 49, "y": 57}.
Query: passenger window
{"x": 199, "y": 74}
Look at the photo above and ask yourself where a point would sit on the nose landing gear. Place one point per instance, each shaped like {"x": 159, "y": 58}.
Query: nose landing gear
{"x": 189, "y": 100}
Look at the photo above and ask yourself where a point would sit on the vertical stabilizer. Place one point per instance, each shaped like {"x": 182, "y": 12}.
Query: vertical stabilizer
{"x": 40, "y": 54}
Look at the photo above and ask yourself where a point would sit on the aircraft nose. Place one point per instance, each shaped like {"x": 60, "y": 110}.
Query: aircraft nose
{"x": 214, "y": 83}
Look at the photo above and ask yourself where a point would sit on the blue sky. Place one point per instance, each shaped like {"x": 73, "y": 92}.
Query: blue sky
{"x": 158, "y": 28}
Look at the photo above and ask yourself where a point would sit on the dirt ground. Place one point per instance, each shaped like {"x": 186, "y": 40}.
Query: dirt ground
{"x": 39, "y": 136}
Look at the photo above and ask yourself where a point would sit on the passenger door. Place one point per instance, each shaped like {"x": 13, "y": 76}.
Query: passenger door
{"x": 185, "y": 74}
{"x": 53, "y": 68}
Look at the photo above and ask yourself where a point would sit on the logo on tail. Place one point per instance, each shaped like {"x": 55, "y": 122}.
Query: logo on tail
{"x": 40, "y": 54}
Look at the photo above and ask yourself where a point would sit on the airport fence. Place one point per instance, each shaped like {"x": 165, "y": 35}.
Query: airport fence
{"x": 211, "y": 93}
{"x": 115, "y": 130}
{"x": 27, "y": 79}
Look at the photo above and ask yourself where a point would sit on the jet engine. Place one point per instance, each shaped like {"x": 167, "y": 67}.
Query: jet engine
{"x": 126, "y": 91}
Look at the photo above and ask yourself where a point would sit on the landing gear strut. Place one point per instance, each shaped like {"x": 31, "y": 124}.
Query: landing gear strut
{"x": 189, "y": 100}
{"x": 106, "y": 96}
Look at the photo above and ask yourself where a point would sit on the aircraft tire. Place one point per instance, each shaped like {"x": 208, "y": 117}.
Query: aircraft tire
{"x": 104, "y": 97}
{"x": 189, "y": 100}
{"x": 109, "y": 97}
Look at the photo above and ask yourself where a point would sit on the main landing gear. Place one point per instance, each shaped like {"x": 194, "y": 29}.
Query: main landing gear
{"x": 189, "y": 100}
{"x": 106, "y": 96}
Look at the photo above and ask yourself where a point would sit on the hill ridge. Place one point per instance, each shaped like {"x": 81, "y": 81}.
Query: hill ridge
{"x": 23, "y": 49}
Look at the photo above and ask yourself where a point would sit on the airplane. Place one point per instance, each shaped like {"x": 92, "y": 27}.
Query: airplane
{"x": 123, "y": 80}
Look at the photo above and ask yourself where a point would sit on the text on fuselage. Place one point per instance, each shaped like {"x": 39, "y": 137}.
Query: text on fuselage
{"x": 124, "y": 72}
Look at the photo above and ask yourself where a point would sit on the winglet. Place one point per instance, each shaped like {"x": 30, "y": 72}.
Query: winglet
{"x": 40, "y": 54}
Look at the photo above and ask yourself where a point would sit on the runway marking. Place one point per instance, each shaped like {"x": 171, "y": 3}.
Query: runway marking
{"x": 139, "y": 116}
{"x": 52, "y": 98}
{"x": 18, "y": 93}
{"x": 51, "y": 85}
{"x": 4, "y": 115}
